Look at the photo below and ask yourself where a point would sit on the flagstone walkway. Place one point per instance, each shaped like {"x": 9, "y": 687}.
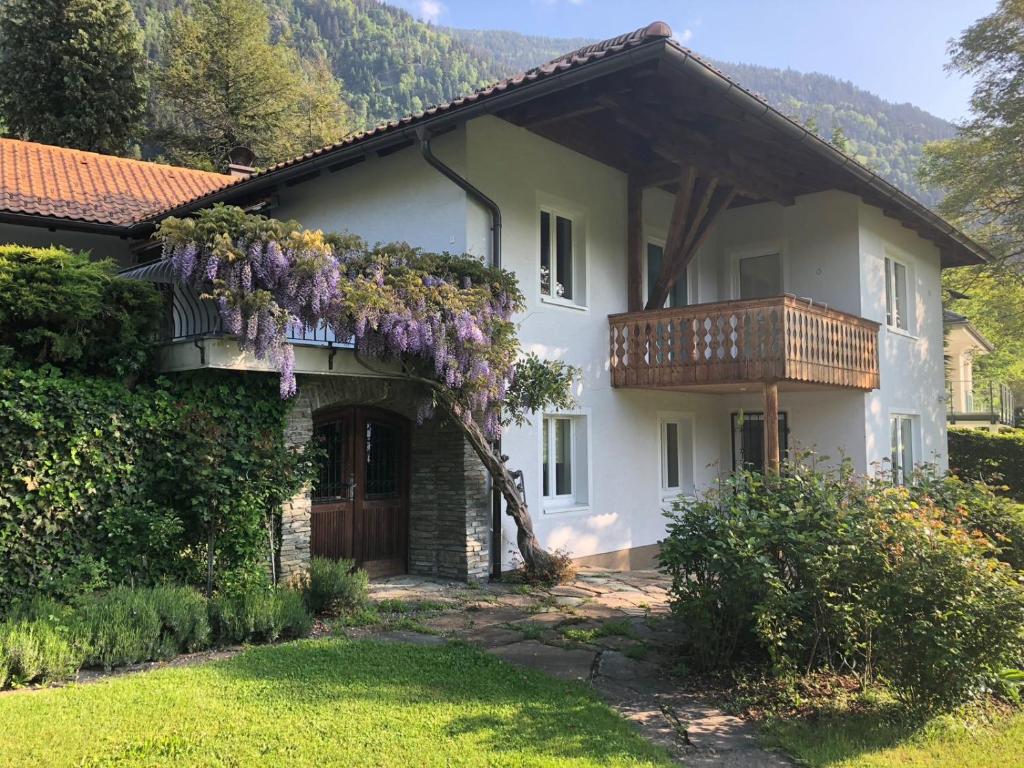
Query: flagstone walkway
{"x": 612, "y": 630}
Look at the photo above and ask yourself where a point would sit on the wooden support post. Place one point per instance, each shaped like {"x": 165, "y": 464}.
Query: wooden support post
{"x": 771, "y": 427}
{"x": 634, "y": 246}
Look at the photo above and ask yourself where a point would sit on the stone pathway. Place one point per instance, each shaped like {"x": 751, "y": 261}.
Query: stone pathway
{"x": 609, "y": 629}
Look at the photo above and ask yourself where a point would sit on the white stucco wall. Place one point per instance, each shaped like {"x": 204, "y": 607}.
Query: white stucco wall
{"x": 827, "y": 241}
{"x": 100, "y": 246}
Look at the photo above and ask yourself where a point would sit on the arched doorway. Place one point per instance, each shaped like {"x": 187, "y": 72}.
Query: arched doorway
{"x": 360, "y": 500}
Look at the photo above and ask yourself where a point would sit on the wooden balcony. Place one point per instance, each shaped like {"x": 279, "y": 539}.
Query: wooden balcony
{"x": 725, "y": 345}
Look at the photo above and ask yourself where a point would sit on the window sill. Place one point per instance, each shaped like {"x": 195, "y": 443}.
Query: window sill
{"x": 900, "y": 332}
{"x": 563, "y": 303}
{"x": 558, "y": 508}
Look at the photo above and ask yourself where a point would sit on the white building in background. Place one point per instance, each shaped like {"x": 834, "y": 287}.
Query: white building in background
{"x": 794, "y": 280}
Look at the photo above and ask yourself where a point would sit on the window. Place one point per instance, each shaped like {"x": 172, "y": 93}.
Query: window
{"x": 677, "y": 297}
{"x": 896, "y": 308}
{"x": 676, "y": 456}
{"x": 902, "y": 430}
{"x": 564, "y": 465}
{"x": 760, "y": 276}
{"x": 748, "y": 440}
{"x": 560, "y": 275}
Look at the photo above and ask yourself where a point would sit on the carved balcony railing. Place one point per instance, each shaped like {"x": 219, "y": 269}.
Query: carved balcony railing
{"x": 737, "y": 342}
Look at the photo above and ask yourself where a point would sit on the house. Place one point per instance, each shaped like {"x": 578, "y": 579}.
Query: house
{"x": 977, "y": 405}
{"x": 732, "y": 287}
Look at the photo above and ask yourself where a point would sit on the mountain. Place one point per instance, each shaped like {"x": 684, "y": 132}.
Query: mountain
{"x": 391, "y": 64}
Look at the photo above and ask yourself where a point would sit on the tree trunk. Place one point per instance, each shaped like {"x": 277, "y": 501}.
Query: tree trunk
{"x": 535, "y": 557}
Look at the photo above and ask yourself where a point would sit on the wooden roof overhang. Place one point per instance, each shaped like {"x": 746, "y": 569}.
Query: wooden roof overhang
{"x": 651, "y": 108}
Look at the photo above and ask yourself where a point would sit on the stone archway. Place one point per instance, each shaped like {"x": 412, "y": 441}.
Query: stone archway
{"x": 448, "y": 531}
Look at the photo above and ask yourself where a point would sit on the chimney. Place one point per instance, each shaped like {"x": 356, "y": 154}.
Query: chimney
{"x": 240, "y": 162}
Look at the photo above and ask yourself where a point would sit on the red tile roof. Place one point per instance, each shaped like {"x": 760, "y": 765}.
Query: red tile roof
{"x": 42, "y": 180}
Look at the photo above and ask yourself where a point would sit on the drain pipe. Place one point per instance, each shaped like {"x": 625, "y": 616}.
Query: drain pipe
{"x": 492, "y": 208}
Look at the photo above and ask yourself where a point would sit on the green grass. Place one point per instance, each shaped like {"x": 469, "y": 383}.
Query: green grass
{"x": 324, "y": 702}
{"x": 879, "y": 740}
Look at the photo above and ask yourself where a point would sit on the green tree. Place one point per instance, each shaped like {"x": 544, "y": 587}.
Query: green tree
{"x": 839, "y": 140}
{"x": 72, "y": 72}
{"x": 982, "y": 172}
{"x": 225, "y": 84}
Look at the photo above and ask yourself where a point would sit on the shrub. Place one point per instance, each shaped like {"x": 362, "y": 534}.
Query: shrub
{"x": 121, "y": 626}
{"x": 333, "y": 586}
{"x": 997, "y": 459}
{"x": 184, "y": 618}
{"x": 103, "y": 484}
{"x": 36, "y": 651}
{"x": 62, "y": 307}
{"x": 258, "y": 615}
{"x": 829, "y": 571}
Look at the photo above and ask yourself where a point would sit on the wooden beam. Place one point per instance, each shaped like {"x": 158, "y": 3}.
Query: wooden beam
{"x": 634, "y": 246}
{"x": 677, "y": 230}
{"x": 771, "y": 427}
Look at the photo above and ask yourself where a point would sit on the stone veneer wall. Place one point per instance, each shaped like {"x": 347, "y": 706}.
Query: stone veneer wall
{"x": 449, "y": 503}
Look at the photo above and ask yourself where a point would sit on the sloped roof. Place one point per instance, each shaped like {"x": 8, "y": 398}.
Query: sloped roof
{"x": 60, "y": 183}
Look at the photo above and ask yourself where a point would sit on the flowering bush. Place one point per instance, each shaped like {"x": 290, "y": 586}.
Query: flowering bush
{"x": 448, "y": 318}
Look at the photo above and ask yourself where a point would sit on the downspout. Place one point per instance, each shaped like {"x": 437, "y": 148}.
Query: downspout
{"x": 495, "y": 212}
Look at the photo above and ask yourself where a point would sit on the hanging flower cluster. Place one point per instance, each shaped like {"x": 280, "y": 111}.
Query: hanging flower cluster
{"x": 446, "y": 318}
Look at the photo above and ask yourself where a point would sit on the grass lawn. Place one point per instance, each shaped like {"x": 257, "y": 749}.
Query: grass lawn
{"x": 323, "y": 702}
{"x": 874, "y": 741}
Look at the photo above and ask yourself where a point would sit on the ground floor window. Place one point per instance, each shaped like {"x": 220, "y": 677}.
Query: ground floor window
{"x": 748, "y": 440}
{"x": 901, "y": 429}
{"x": 676, "y": 440}
{"x": 564, "y": 463}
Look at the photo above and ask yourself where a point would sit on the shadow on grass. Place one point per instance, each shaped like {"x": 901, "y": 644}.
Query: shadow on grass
{"x": 502, "y": 708}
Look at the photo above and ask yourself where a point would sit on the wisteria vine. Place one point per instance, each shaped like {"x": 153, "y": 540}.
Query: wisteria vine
{"x": 447, "y": 318}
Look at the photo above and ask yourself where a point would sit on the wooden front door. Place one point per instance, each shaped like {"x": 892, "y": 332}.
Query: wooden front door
{"x": 361, "y": 498}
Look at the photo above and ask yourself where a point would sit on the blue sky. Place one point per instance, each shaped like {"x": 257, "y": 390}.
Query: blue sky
{"x": 895, "y": 48}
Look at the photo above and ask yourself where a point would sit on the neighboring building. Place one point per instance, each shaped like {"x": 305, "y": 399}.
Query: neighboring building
{"x": 983, "y": 405}
{"x": 701, "y": 257}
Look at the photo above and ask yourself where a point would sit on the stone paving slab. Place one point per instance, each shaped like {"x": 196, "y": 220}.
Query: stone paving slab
{"x": 559, "y": 662}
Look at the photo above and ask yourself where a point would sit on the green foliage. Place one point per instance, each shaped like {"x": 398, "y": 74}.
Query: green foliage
{"x": 334, "y": 586}
{"x": 258, "y": 615}
{"x": 120, "y": 627}
{"x": 60, "y": 307}
{"x": 102, "y": 484}
{"x": 996, "y": 458}
{"x": 72, "y": 73}
{"x": 184, "y": 619}
{"x": 37, "y": 651}
{"x": 224, "y": 84}
{"x": 830, "y": 571}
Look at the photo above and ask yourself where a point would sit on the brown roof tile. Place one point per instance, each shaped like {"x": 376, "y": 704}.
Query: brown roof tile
{"x": 42, "y": 180}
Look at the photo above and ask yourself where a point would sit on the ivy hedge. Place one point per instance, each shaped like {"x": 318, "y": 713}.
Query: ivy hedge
{"x": 996, "y": 458}
{"x": 102, "y": 483}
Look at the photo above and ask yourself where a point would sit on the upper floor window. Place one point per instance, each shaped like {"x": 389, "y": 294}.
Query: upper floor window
{"x": 896, "y": 294}
{"x": 902, "y": 437}
{"x": 760, "y": 276}
{"x": 677, "y": 297}
{"x": 561, "y": 265}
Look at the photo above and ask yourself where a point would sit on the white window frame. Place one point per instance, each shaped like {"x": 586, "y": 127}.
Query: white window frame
{"x": 889, "y": 262}
{"x": 686, "y": 450}
{"x": 659, "y": 239}
{"x": 905, "y": 419}
{"x": 579, "y": 461}
{"x": 578, "y": 217}
{"x": 753, "y": 251}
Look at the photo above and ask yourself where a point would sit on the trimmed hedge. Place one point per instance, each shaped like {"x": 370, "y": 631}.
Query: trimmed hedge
{"x": 994, "y": 458}
{"x": 102, "y": 484}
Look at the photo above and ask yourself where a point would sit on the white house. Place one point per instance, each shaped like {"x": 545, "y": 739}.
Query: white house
{"x": 984, "y": 405}
{"x": 701, "y": 257}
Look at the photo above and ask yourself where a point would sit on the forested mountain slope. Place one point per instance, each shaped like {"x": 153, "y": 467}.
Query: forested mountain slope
{"x": 391, "y": 64}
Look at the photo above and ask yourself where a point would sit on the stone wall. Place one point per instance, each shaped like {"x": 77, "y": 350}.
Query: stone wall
{"x": 449, "y": 503}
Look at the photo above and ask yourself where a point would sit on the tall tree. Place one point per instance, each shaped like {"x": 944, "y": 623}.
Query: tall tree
{"x": 72, "y": 72}
{"x": 982, "y": 173}
{"x": 226, "y": 84}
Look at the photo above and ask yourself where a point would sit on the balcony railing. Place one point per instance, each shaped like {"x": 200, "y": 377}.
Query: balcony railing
{"x": 977, "y": 401}
{"x": 736, "y": 342}
{"x": 189, "y": 317}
